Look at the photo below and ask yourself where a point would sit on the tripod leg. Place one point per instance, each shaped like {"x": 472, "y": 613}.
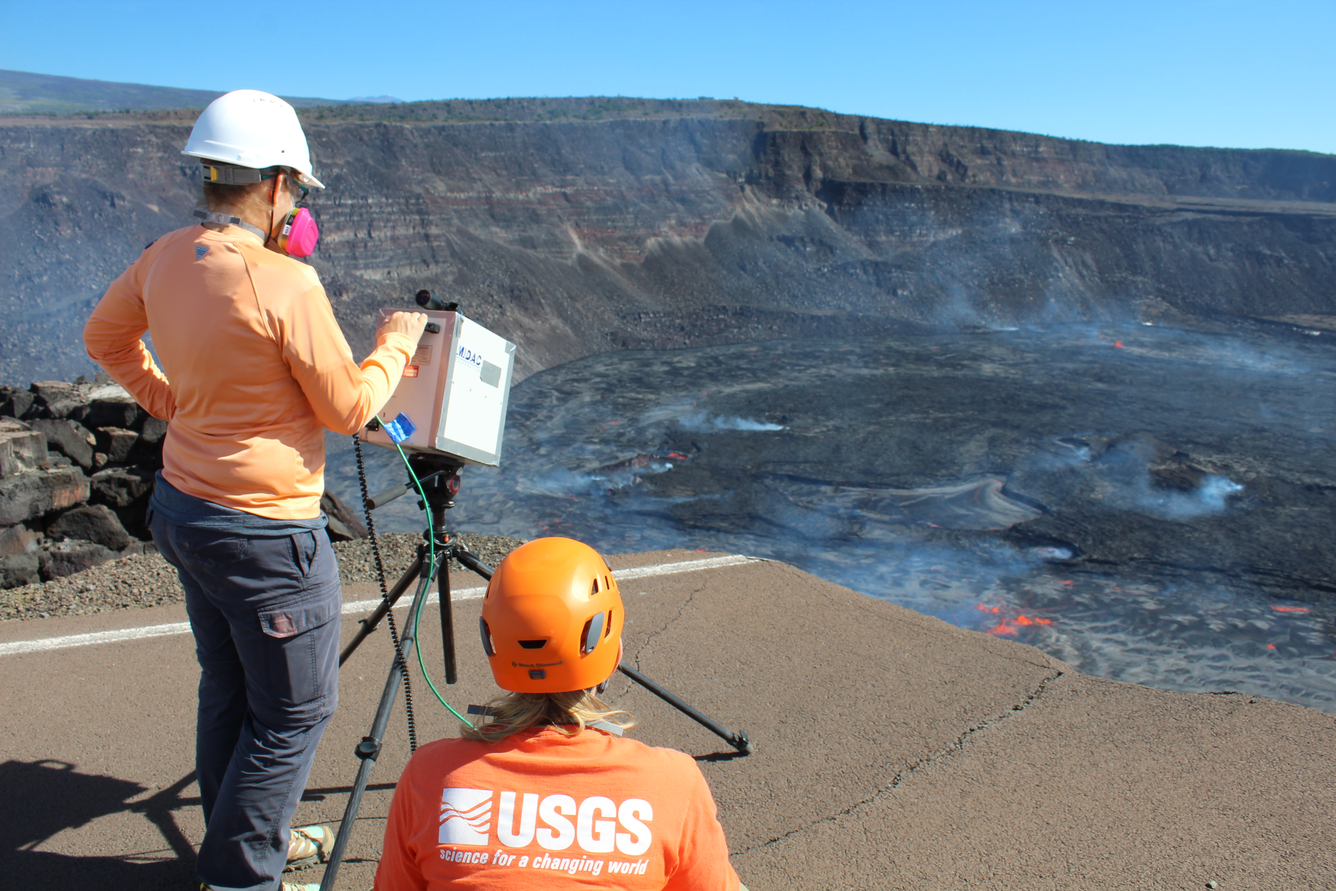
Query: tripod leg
{"x": 446, "y": 549}
{"x": 737, "y": 740}
{"x": 448, "y": 624}
{"x": 369, "y": 748}
{"x": 443, "y": 487}
{"x": 370, "y": 623}
{"x": 469, "y": 559}
{"x": 372, "y": 747}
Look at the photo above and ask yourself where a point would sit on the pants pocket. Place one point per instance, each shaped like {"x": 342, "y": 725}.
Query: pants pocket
{"x": 208, "y": 548}
{"x": 301, "y": 647}
{"x": 290, "y": 621}
{"x": 305, "y": 547}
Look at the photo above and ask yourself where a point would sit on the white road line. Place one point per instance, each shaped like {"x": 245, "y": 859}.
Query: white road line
{"x": 644, "y": 572}
{"x": 361, "y": 606}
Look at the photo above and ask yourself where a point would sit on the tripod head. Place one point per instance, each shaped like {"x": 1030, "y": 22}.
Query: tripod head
{"x": 439, "y": 477}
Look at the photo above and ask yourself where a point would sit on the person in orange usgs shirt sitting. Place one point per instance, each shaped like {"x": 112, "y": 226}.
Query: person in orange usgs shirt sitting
{"x": 253, "y": 370}
{"x": 545, "y": 792}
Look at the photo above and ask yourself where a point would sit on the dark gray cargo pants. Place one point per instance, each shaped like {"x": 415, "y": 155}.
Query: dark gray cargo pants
{"x": 265, "y": 611}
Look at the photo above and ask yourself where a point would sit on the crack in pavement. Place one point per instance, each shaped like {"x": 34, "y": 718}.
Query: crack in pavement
{"x": 651, "y": 636}
{"x": 904, "y": 773}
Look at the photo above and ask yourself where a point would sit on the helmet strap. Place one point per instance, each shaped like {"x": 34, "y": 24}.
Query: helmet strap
{"x": 273, "y": 196}
{"x": 228, "y": 175}
{"x": 226, "y": 219}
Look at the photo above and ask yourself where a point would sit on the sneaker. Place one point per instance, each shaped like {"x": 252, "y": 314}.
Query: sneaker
{"x": 309, "y": 845}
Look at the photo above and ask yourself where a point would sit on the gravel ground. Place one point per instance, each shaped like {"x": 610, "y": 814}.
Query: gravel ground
{"x": 149, "y": 581}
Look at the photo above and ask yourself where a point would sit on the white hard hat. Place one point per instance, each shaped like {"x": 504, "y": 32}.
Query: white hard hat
{"x": 250, "y": 128}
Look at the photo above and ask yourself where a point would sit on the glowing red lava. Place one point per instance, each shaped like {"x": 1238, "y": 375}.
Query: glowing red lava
{"x": 1010, "y": 625}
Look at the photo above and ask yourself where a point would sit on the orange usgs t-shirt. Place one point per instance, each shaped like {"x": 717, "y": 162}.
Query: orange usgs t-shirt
{"x": 254, "y": 367}
{"x": 543, "y": 810}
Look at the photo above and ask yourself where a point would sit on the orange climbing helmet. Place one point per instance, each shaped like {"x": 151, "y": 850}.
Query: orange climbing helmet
{"x": 552, "y": 618}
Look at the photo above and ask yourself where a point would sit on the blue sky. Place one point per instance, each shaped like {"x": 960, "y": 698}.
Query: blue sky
{"x": 1190, "y": 72}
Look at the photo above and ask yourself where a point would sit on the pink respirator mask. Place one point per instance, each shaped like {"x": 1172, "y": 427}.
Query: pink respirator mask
{"x": 299, "y": 233}
{"x": 297, "y": 238}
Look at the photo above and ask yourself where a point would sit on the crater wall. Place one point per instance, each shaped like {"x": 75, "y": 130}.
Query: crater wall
{"x": 577, "y": 237}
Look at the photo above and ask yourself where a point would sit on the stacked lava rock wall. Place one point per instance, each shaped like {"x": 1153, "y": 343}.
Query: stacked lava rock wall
{"x": 77, "y": 466}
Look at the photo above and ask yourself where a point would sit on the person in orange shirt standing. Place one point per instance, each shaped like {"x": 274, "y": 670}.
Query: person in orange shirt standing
{"x": 545, "y": 792}
{"x": 253, "y": 370}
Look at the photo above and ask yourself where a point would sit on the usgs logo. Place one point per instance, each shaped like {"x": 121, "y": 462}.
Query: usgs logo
{"x": 598, "y": 825}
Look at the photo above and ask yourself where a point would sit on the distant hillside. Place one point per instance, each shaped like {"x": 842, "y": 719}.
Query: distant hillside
{"x": 22, "y": 92}
{"x": 579, "y": 225}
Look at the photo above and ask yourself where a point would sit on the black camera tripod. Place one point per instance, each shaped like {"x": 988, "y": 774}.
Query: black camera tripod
{"x": 438, "y": 476}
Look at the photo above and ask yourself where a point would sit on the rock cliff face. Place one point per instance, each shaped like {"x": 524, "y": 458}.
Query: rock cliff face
{"x": 576, "y": 237}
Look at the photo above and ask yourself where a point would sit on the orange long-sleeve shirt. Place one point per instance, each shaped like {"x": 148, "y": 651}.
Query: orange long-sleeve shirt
{"x": 254, "y": 367}
{"x": 543, "y": 810}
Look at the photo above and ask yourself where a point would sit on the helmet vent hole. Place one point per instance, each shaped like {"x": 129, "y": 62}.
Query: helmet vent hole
{"x": 607, "y": 628}
{"x": 592, "y": 634}
{"x": 594, "y": 588}
{"x": 532, "y": 644}
{"x": 488, "y": 646}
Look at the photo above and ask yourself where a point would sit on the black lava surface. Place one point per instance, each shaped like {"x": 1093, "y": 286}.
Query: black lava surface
{"x": 1171, "y": 488}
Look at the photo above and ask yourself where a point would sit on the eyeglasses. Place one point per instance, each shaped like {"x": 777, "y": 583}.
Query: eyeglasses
{"x": 302, "y": 191}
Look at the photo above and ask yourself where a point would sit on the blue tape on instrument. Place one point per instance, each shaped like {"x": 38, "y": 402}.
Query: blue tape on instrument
{"x": 400, "y": 428}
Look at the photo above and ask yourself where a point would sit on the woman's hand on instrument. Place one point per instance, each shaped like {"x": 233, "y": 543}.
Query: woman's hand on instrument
{"x": 409, "y": 324}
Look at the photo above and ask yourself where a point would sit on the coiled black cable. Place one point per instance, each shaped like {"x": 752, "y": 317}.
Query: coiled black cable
{"x": 385, "y": 595}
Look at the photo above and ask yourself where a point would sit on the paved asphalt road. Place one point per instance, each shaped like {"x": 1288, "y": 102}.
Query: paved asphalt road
{"x": 892, "y": 750}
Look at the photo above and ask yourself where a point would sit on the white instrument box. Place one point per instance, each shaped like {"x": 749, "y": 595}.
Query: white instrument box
{"x": 454, "y": 392}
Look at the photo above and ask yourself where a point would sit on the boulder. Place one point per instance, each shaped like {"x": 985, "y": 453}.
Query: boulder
{"x": 19, "y": 569}
{"x": 18, "y": 540}
{"x": 154, "y": 430}
{"x": 15, "y": 402}
{"x": 61, "y": 558}
{"x": 139, "y": 549}
{"x": 116, "y": 443}
{"x": 126, "y": 491}
{"x": 21, "y": 451}
{"x": 344, "y": 524}
{"x": 148, "y": 450}
{"x": 29, "y": 495}
{"x": 91, "y": 522}
{"x": 57, "y": 399}
{"x": 110, "y": 406}
{"x": 70, "y": 438}
{"x": 120, "y": 487}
